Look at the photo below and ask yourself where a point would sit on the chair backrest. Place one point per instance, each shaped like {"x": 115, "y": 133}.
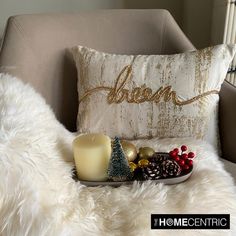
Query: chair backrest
{"x": 34, "y": 47}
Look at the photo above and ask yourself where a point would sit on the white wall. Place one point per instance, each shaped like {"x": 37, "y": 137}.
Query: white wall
{"x": 197, "y": 21}
{"x": 218, "y": 21}
{"x": 174, "y": 6}
{"x": 193, "y": 16}
{"x": 14, "y": 7}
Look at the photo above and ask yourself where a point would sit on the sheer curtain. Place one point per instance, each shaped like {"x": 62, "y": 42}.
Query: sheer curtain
{"x": 230, "y": 36}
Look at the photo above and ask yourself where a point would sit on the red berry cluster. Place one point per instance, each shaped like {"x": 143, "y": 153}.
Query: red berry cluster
{"x": 184, "y": 159}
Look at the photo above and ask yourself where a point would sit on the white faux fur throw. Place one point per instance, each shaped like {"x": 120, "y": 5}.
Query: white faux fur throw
{"x": 38, "y": 196}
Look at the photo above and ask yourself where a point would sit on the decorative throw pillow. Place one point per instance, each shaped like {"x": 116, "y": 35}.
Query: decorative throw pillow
{"x": 140, "y": 96}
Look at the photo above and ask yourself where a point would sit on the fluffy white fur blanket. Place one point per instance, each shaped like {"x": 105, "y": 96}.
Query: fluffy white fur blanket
{"x": 39, "y": 197}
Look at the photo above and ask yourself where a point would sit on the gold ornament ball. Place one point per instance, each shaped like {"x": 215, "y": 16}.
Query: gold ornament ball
{"x": 143, "y": 162}
{"x": 129, "y": 150}
{"x": 146, "y": 152}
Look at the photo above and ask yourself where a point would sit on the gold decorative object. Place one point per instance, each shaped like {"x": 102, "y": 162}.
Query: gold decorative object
{"x": 129, "y": 150}
{"x": 143, "y": 162}
{"x": 132, "y": 166}
{"x": 119, "y": 93}
{"x": 146, "y": 152}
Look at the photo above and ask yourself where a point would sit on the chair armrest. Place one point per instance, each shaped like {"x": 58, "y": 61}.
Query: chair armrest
{"x": 227, "y": 121}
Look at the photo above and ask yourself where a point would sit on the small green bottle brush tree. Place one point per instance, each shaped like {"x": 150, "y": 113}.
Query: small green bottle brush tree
{"x": 118, "y": 169}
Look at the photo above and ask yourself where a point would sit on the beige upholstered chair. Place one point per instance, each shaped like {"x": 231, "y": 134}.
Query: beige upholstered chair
{"x": 34, "y": 49}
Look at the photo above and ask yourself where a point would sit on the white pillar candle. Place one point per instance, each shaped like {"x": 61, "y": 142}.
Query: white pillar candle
{"x": 92, "y": 153}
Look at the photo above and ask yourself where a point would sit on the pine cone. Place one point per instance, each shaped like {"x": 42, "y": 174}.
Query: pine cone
{"x": 151, "y": 172}
{"x": 159, "y": 158}
{"x": 170, "y": 168}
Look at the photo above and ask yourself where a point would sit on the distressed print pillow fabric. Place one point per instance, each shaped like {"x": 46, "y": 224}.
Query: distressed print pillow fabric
{"x": 145, "y": 96}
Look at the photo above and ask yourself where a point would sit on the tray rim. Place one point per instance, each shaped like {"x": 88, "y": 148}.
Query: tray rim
{"x": 167, "y": 181}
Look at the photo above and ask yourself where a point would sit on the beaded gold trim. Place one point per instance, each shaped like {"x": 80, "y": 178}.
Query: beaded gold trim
{"x": 118, "y": 93}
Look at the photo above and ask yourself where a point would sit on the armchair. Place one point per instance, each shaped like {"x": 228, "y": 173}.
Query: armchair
{"x": 34, "y": 49}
